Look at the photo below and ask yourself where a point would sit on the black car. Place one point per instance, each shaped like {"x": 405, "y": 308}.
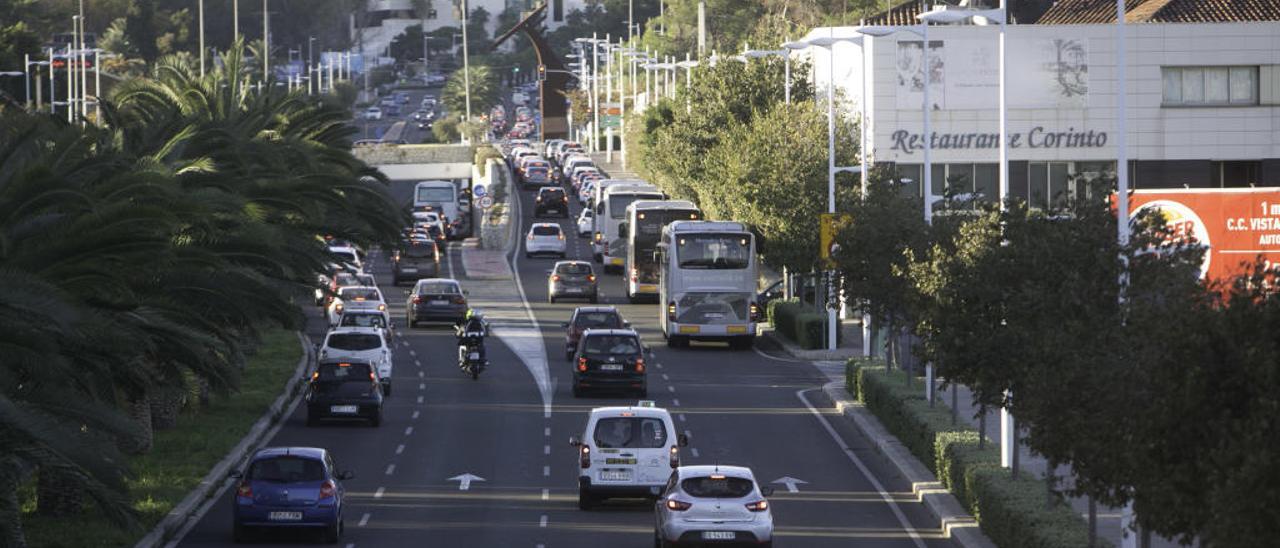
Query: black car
{"x": 344, "y": 389}
{"x": 415, "y": 261}
{"x": 609, "y": 359}
{"x": 551, "y": 200}
{"x": 436, "y": 300}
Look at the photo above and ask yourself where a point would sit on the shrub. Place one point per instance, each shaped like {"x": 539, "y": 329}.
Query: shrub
{"x": 483, "y": 153}
{"x": 810, "y": 330}
{"x": 1011, "y": 512}
{"x": 782, "y": 314}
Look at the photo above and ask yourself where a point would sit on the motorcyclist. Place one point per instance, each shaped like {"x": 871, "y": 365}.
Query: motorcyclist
{"x": 471, "y": 331}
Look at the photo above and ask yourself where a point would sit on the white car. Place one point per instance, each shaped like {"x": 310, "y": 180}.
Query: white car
{"x": 366, "y": 343}
{"x": 348, "y": 256}
{"x": 713, "y": 504}
{"x": 373, "y": 113}
{"x": 357, "y": 297}
{"x": 367, "y": 318}
{"x": 584, "y": 223}
{"x": 545, "y": 239}
{"x": 626, "y": 452}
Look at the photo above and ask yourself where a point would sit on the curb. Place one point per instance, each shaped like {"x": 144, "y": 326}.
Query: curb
{"x": 190, "y": 506}
{"x": 956, "y": 523}
{"x": 812, "y": 355}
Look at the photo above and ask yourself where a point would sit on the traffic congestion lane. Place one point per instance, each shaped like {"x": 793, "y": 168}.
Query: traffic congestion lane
{"x": 374, "y": 129}
{"x": 740, "y": 408}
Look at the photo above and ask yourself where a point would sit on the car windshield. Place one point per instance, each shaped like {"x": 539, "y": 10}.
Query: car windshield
{"x": 618, "y": 203}
{"x": 545, "y": 230}
{"x": 714, "y": 251}
{"x": 363, "y": 320}
{"x": 359, "y": 294}
{"x": 344, "y": 256}
{"x": 718, "y": 487}
{"x": 597, "y": 319}
{"x": 420, "y": 251}
{"x": 611, "y": 344}
{"x": 435, "y": 194}
{"x": 573, "y": 268}
{"x": 354, "y": 341}
{"x": 630, "y": 433}
{"x": 438, "y": 288}
{"x": 286, "y": 469}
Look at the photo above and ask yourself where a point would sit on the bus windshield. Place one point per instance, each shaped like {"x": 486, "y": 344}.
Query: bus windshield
{"x": 714, "y": 251}
{"x": 435, "y": 194}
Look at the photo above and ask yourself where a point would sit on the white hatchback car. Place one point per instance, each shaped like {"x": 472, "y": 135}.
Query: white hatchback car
{"x": 545, "y": 239}
{"x": 365, "y": 343}
{"x": 626, "y": 452}
{"x": 584, "y": 223}
{"x": 713, "y": 504}
{"x": 357, "y": 298}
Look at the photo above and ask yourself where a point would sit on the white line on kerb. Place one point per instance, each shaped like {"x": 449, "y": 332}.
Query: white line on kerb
{"x": 391, "y": 469}
{"x": 378, "y": 494}
{"x": 408, "y": 430}
{"x": 363, "y": 520}
{"x": 893, "y": 506}
{"x": 399, "y": 449}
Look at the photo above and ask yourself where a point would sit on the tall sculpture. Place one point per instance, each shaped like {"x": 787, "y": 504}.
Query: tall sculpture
{"x": 552, "y": 100}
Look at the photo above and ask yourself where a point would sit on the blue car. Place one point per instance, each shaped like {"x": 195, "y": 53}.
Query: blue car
{"x": 289, "y": 488}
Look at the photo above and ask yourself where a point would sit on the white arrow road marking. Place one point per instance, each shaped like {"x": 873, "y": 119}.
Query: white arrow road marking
{"x": 790, "y": 482}
{"x": 464, "y": 481}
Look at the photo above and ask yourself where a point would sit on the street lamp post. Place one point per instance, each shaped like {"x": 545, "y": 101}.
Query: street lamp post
{"x": 200, "y": 9}
{"x": 266, "y": 42}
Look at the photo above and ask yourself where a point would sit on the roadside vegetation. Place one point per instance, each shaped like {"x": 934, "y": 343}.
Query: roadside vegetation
{"x": 144, "y": 258}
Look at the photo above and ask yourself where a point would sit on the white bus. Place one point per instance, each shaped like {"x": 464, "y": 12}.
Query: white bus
{"x": 608, "y": 245}
{"x": 707, "y": 283}
{"x": 445, "y": 198}
{"x": 643, "y": 231}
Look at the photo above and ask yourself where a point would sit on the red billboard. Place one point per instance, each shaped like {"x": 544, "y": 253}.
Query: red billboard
{"x": 1237, "y": 224}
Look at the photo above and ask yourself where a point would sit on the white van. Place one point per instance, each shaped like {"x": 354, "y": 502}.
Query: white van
{"x": 626, "y": 452}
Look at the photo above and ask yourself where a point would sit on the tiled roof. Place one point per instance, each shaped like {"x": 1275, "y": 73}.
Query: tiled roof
{"x": 1075, "y": 12}
{"x": 904, "y": 13}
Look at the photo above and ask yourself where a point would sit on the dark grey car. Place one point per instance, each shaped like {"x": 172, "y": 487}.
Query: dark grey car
{"x": 572, "y": 279}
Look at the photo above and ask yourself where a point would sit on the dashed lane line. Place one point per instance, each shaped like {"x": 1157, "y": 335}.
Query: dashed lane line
{"x": 546, "y": 432}
{"x": 546, "y": 494}
{"x": 415, "y": 415}
{"x": 422, "y": 386}
{"x": 364, "y": 520}
{"x": 399, "y": 449}
{"x": 408, "y": 431}
{"x": 391, "y": 469}
{"x": 682, "y": 417}
{"x": 420, "y": 399}
{"x": 546, "y": 471}
{"x": 665, "y": 377}
{"x": 546, "y": 450}
{"x": 543, "y": 521}
{"x": 671, "y": 389}
{"x": 694, "y": 450}
{"x": 378, "y": 494}
{"x": 675, "y": 402}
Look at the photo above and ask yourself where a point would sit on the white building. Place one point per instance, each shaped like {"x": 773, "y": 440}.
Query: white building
{"x": 1203, "y": 103}
{"x": 387, "y": 19}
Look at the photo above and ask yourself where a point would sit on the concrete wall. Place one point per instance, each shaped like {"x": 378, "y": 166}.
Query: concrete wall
{"x": 495, "y": 224}
{"x": 416, "y": 154}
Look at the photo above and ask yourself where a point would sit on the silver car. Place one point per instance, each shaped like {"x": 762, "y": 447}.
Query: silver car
{"x": 572, "y": 279}
{"x": 713, "y": 505}
{"x": 545, "y": 239}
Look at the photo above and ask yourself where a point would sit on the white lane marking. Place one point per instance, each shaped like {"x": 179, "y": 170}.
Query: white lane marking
{"x": 543, "y": 521}
{"x": 422, "y": 386}
{"x": 659, "y": 365}
{"x": 363, "y": 520}
{"x": 413, "y": 352}
{"x": 790, "y": 482}
{"x": 391, "y": 469}
{"x": 417, "y": 363}
{"x": 351, "y": 545}
{"x": 399, "y": 449}
{"x": 682, "y": 417}
{"x": 665, "y": 377}
{"x": 893, "y": 506}
{"x": 529, "y": 346}
{"x": 415, "y": 414}
{"x": 420, "y": 399}
{"x": 688, "y": 434}
{"x": 546, "y": 450}
{"x": 448, "y": 256}
{"x": 546, "y": 471}
{"x": 546, "y": 432}
{"x": 675, "y": 402}
{"x": 694, "y": 450}
{"x": 546, "y": 494}
{"x": 671, "y": 389}
{"x": 464, "y": 481}
{"x": 378, "y": 494}
{"x": 421, "y": 374}
{"x": 408, "y": 431}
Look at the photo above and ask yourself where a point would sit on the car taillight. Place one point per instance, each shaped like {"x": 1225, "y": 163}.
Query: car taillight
{"x": 584, "y": 457}
{"x": 417, "y": 299}
{"x": 671, "y": 311}
{"x": 531, "y": 237}
{"x": 561, "y": 235}
{"x": 639, "y": 365}
{"x": 675, "y": 457}
{"x": 244, "y": 490}
{"x": 372, "y": 377}
{"x": 582, "y": 364}
{"x": 598, "y": 237}
{"x": 327, "y": 489}
{"x": 555, "y": 278}
{"x": 459, "y": 300}
{"x": 337, "y": 307}
{"x": 758, "y": 506}
{"x": 755, "y": 312}
{"x": 382, "y": 308}
{"x": 678, "y": 505}
{"x": 591, "y": 277}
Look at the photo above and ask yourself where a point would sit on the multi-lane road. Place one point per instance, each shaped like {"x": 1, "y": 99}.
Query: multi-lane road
{"x": 506, "y": 435}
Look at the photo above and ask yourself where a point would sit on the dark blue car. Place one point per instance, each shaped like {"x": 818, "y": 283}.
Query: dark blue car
{"x": 290, "y": 488}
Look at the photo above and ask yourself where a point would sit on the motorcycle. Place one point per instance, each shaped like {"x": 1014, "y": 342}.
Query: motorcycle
{"x": 469, "y": 360}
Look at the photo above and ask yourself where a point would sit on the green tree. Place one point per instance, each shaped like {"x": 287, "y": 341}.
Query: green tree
{"x": 485, "y": 90}
{"x": 140, "y": 27}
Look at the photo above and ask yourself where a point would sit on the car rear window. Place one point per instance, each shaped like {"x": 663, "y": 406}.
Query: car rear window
{"x": 347, "y": 279}
{"x": 355, "y": 294}
{"x": 546, "y": 230}
{"x": 552, "y": 193}
{"x": 363, "y": 320}
{"x": 597, "y": 319}
{"x": 354, "y": 341}
{"x": 420, "y": 251}
{"x": 575, "y": 268}
{"x": 339, "y": 372}
{"x": 287, "y": 469}
{"x": 438, "y": 288}
{"x": 717, "y": 487}
{"x": 611, "y": 344}
{"x": 630, "y": 433}
{"x": 344, "y": 256}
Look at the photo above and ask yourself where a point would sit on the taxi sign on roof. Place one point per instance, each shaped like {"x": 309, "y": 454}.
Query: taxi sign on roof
{"x": 646, "y": 403}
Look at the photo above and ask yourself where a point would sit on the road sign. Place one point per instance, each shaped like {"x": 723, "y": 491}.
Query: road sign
{"x": 479, "y": 191}
{"x": 791, "y": 483}
{"x": 830, "y": 226}
{"x": 464, "y": 481}
{"x": 486, "y": 202}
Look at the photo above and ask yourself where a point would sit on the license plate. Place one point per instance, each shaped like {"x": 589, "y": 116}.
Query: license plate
{"x": 406, "y": 269}
{"x": 714, "y": 315}
{"x": 438, "y": 303}
{"x": 342, "y": 409}
{"x": 718, "y": 535}
{"x": 647, "y": 288}
{"x": 616, "y": 261}
{"x": 621, "y": 460}
{"x": 690, "y": 329}
{"x": 284, "y": 516}
{"x": 573, "y": 290}
{"x": 737, "y": 329}
{"x": 620, "y": 475}
{"x": 611, "y": 367}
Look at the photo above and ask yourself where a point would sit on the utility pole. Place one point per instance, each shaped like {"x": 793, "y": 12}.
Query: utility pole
{"x": 200, "y": 9}
{"x": 235, "y": 19}
{"x": 266, "y": 42}
{"x": 84, "y": 71}
{"x": 466, "y": 63}
{"x": 702, "y": 27}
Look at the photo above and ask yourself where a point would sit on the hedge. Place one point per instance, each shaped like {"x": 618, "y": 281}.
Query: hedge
{"x": 799, "y": 323}
{"x": 1012, "y": 513}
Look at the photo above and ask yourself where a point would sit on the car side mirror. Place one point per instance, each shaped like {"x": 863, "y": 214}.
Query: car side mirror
{"x": 235, "y": 474}
{"x": 766, "y": 491}
{"x": 683, "y": 440}
{"x": 346, "y": 475}
{"x": 574, "y": 441}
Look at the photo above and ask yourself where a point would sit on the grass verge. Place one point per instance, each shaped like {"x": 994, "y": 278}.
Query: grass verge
{"x": 181, "y": 456}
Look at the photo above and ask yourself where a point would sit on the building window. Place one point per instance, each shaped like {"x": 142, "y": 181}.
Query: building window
{"x": 965, "y": 181}
{"x": 1239, "y": 174}
{"x": 1047, "y": 184}
{"x": 1210, "y": 86}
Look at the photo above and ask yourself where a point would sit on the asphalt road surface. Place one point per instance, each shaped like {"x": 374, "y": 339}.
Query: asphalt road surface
{"x": 373, "y": 129}
{"x": 739, "y": 407}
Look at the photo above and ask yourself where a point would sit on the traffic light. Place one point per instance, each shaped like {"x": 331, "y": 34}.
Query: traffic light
{"x": 542, "y": 73}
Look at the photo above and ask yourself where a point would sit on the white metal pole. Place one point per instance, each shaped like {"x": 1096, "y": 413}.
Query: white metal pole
{"x": 702, "y": 28}
{"x": 1008, "y": 425}
{"x": 97, "y": 85}
{"x": 53, "y": 87}
{"x": 786, "y": 75}
{"x": 1128, "y": 519}
{"x": 235, "y": 19}
{"x": 71, "y": 86}
{"x": 928, "y": 128}
{"x": 26, "y": 77}
{"x": 84, "y": 70}
{"x": 831, "y": 181}
{"x": 595, "y": 93}
{"x": 466, "y": 61}
{"x": 266, "y": 42}
{"x": 200, "y": 9}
